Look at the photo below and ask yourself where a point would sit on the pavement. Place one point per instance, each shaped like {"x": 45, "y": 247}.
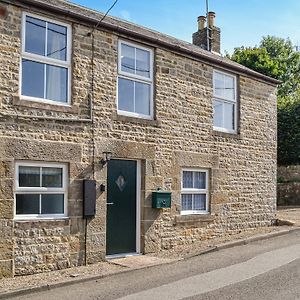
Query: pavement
{"x": 288, "y": 219}
{"x": 289, "y": 214}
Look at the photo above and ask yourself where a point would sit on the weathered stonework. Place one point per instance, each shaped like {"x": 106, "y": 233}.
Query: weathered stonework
{"x": 242, "y": 166}
{"x": 288, "y": 185}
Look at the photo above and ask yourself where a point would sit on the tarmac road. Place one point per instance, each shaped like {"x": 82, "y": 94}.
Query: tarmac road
{"x": 268, "y": 269}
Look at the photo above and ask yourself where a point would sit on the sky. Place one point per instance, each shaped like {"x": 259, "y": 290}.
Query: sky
{"x": 242, "y": 22}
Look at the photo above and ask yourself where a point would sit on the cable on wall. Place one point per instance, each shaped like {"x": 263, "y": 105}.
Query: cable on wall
{"x": 91, "y": 102}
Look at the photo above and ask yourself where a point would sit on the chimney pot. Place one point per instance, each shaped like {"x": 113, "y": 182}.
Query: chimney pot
{"x": 201, "y": 22}
{"x": 211, "y": 19}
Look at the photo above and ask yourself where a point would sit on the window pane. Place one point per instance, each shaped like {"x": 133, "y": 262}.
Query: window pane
{"x": 218, "y": 113}
{"x": 127, "y": 59}
{"x": 32, "y": 78}
{"x": 52, "y": 204}
{"x": 57, "y": 83}
{"x": 35, "y": 35}
{"x": 142, "y": 98}
{"x": 200, "y": 180}
{"x": 218, "y": 84}
{"x": 27, "y": 204}
{"x": 52, "y": 177}
{"x": 229, "y": 116}
{"x": 143, "y": 63}
{"x": 29, "y": 176}
{"x": 57, "y": 41}
{"x": 187, "y": 180}
{"x": 199, "y": 202}
{"x": 186, "y": 202}
{"x": 229, "y": 88}
{"x": 126, "y": 95}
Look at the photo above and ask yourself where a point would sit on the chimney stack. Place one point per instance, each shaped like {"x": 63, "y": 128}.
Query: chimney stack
{"x": 208, "y": 35}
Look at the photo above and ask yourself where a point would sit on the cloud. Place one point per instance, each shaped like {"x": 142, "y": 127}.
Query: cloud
{"x": 125, "y": 14}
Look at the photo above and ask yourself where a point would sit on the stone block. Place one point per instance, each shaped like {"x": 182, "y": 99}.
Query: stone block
{"x": 6, "y": 268}
{"x": 154, "y": 182}
{"x": 6, "y": 169}
{"x": 6, "y": 209}
{"x": 6, "y": 189}
{"x": 40, "y": 150}
{"x": 75, "y": 190}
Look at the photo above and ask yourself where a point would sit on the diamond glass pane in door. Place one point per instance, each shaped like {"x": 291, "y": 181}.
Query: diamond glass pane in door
{"x": 121, "y": 183}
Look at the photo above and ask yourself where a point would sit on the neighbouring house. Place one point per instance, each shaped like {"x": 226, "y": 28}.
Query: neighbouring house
{"x": 117, "y": 113}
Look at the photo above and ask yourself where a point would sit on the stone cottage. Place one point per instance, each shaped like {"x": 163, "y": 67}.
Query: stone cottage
{"x": 138, "y": 121}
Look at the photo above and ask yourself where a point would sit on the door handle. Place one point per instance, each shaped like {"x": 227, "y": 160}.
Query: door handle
{"x": 109, "y": 203}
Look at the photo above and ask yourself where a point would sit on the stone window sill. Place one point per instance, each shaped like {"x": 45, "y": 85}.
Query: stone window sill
{"x": 45, "y": 106}
{"x": 217, "y": 133}
{"x": 35, "y": 222}
{"x": 201, "y": 219}
{"x": 134, "y": 120}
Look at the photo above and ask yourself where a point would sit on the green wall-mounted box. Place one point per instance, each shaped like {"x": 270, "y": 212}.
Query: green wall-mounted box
{"x": 161, "y": 199}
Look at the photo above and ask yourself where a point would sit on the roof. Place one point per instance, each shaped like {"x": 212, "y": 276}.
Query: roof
{"x": 86, "y": 15}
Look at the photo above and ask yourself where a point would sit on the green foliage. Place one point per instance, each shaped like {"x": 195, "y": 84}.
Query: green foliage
{"x": 276, "y": 57}
{"x": 257, "y": 59}
{"x": 289, "y": 134}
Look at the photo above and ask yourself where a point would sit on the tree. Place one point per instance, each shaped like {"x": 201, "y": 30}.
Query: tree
{"x": 276, "y": 57}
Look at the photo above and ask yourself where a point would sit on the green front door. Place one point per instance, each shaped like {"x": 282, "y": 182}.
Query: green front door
{"x": 121, "y": 207}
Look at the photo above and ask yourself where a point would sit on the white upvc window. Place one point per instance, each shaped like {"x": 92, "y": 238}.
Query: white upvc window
{"x": 224, "y": 102}
{"x": 45, "y": 68}
{"x": 40, "y": 190}
{"x": 194, "y": 192}
{"x": 135, "y": 80}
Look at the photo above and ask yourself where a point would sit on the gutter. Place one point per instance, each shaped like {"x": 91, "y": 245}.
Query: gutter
{"x": 121, "y": 30}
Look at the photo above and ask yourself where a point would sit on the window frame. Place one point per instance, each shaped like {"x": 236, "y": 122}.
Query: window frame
{"x": 46, "y": 60}
{"x": 226, "y": 100}
{"x": 41, "y": 190}
{"x": 195, "y": 191}
{"x": 135, "y": 78}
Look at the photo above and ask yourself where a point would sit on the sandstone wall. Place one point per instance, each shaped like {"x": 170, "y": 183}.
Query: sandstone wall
{"x": 242, "y": 167}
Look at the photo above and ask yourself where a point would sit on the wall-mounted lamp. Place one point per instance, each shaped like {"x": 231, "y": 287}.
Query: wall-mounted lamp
{"x": 106, "y": 158}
